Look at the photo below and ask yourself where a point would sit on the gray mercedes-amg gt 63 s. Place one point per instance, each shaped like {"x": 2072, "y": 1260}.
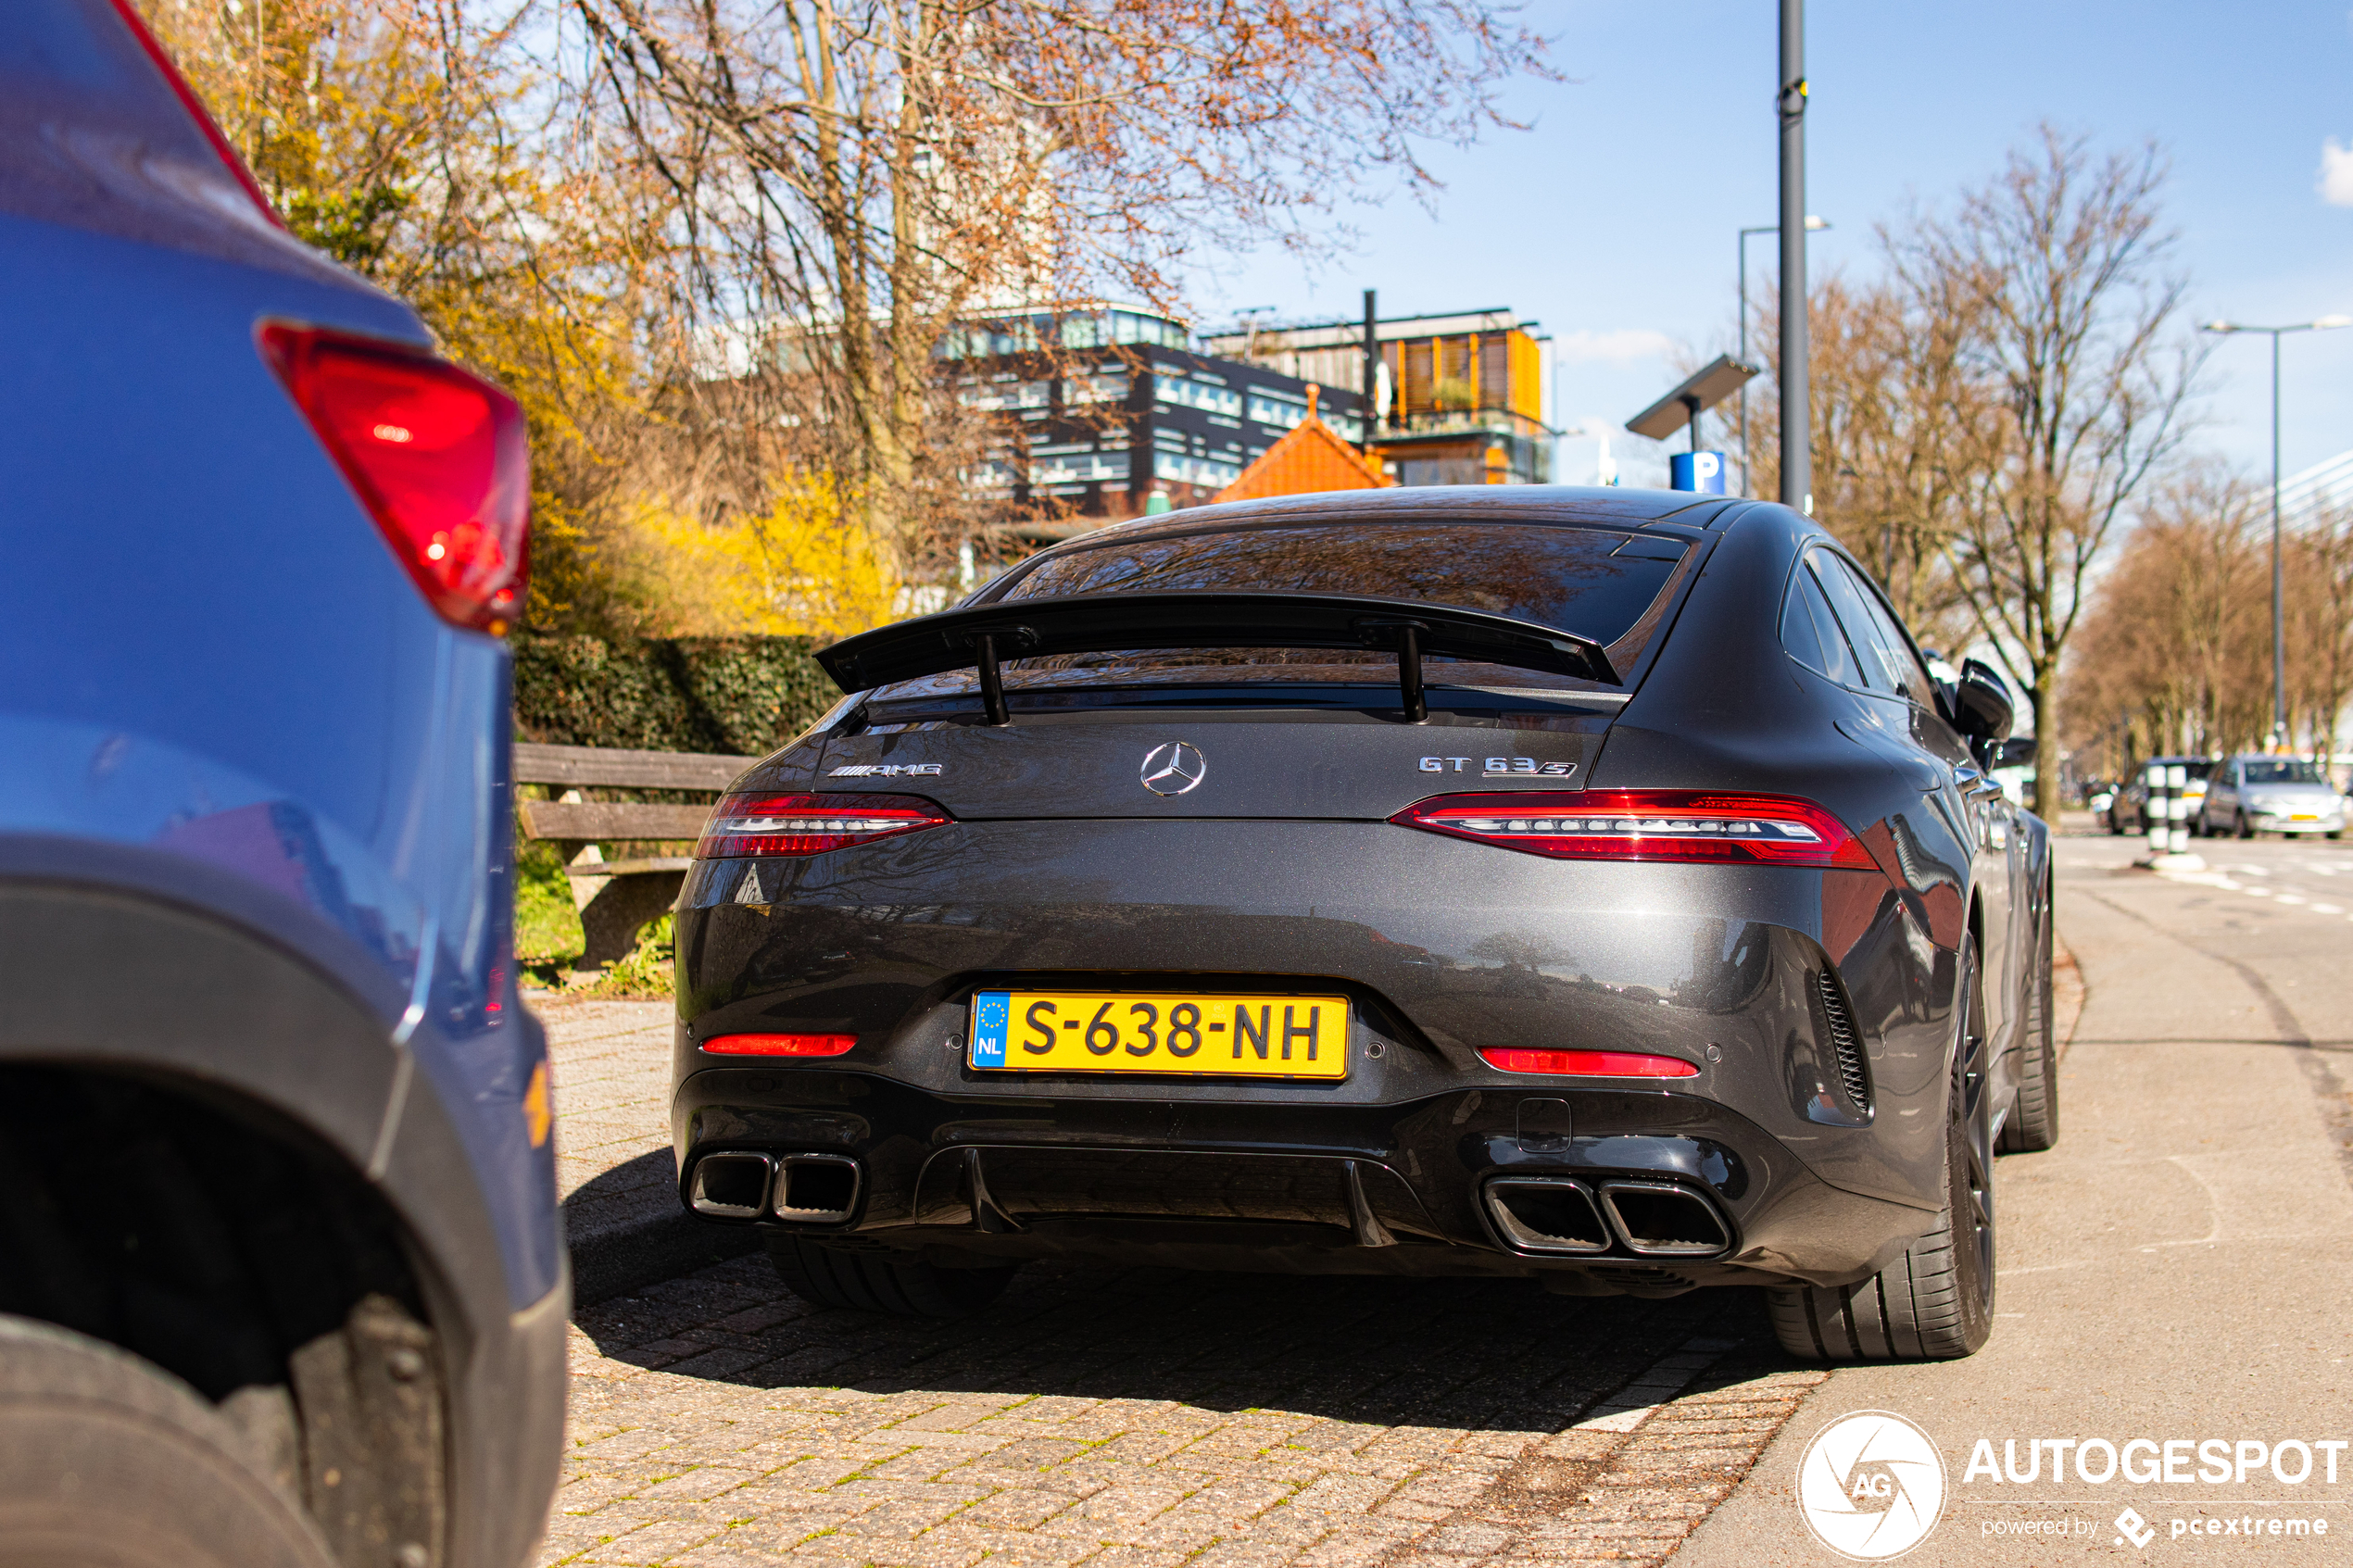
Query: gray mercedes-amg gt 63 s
{"x": 1592, "y": 886}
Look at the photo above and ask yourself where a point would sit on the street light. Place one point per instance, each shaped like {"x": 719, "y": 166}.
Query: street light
{"x": 1813, "y": 225}
{"x": 2279, "y": 619}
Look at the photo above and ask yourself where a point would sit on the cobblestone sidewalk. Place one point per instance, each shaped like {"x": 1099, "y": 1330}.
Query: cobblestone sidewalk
{"x": 1148, "y": 1419}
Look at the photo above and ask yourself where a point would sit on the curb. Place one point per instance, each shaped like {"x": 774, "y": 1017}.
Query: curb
{"x": 615, "y": 1259}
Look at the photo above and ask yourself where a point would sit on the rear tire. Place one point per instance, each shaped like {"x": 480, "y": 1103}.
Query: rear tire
{"x": 871, "y": 1282}
{"x": 2239, "y": 827}
{"x": 1935, "y": 1302}
{"x": 110, "y": 1461}
{"x": 2033, "y": 1123}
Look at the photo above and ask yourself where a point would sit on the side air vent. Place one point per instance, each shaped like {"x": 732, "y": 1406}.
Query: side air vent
{"x": 1846, "y": 1040}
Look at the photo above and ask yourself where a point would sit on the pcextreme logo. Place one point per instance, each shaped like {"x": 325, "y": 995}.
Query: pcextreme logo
{"x": 1871, "y": 1486}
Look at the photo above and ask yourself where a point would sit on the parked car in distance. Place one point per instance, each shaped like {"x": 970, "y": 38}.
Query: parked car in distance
{"x": 282, "y": 1277}
{"x": 2128, "y": 811}
{"x": 2255, "y": 794}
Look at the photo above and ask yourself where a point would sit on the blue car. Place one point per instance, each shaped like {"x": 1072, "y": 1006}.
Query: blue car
{"x": 282, "y": 1277}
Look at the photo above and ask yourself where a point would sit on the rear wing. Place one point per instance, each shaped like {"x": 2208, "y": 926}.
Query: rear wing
{"x": 981, "y": 637}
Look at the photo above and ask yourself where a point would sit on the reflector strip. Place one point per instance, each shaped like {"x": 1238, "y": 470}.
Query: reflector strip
{"x": 1589, "y": 1064}
{"x": 747, "y": 825}
{"x": 779, "y": 1045}
{"x": 1648, "y": 824}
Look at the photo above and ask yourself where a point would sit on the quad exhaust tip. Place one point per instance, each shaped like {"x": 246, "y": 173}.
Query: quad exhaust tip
{"x": 802, "y": 1189}
{"x": 1564, "y": 1215}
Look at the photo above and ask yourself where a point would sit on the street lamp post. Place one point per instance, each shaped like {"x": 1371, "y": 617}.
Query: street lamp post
{"x": 2279, "y": 618}
{"x": 1797, "y": 455}
{"x": 1813, "y": 225}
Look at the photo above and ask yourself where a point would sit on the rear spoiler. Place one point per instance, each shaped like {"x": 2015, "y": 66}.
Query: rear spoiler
{"x": 982, "y": 636}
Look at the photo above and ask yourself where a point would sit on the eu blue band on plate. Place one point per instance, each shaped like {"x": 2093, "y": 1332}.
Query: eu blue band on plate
{"x": 992, "y": 1013}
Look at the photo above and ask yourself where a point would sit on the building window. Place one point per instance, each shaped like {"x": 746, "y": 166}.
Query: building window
{"x": 991, "y": 478}
{"x": 1002, "y": 395}
{"x": 1278, "y": 409}
{"x": 1079, "y": 468}
{"x": 1098, "y": 388}
{"x": 1206, "y": 471}
{"x": 1190, "y": 393}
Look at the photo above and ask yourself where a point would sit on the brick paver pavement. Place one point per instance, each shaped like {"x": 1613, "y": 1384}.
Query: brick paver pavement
{"x": 1144, "y": 1419}
{"x": 1125, "y": 1419}
{"x": 611, "y": 1064}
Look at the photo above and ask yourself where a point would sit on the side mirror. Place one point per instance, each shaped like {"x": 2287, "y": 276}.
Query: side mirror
{"x": 1981, "y": 705}
{"x": 2017, "y": 753}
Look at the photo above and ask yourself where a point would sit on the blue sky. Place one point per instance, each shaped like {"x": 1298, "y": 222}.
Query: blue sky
{"x": 1612, "y": 219}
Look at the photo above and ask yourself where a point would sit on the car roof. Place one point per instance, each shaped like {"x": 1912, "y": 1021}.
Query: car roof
{"x": 1570, "y": 504}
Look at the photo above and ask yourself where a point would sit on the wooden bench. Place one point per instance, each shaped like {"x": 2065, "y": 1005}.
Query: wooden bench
{"x": 627, "y": 894}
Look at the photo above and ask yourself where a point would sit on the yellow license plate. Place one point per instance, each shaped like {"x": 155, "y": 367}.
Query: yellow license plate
{"x": 2305, "y": 817}
{"x": 1194, "y": 1032}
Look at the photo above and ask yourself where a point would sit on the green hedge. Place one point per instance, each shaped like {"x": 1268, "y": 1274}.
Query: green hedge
{"x": 740, "y": 695}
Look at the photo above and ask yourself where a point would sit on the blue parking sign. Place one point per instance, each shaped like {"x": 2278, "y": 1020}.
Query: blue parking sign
{"x": 1701, "y": 471}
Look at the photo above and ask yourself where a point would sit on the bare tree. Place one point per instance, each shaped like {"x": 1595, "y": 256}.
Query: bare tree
{"x": 2320, "y": 622}
{"x": 1890, "y": 406}
{"x": 2059, "y": 267}
{"x": 846, "y": 179}
{"x": 2175, "y": 636}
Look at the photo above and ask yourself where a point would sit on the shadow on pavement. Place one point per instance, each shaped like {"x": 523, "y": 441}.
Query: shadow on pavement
{"x": 1448, "y": 1353}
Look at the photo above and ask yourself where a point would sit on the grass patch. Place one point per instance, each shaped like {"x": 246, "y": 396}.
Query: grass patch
{"x": 548, "y": 940}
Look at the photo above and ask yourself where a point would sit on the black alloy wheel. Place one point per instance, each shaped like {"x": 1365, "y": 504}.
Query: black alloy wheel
{"x": 1935, "y": 1302}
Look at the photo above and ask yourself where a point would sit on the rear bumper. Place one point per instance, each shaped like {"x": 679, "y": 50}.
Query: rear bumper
{"x": 1400, "y": 1188}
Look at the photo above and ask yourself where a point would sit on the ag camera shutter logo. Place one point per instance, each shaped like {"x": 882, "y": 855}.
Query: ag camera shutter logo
{"x": 1871, "y": 1486}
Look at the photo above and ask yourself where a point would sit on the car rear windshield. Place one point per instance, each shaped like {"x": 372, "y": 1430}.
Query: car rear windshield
{"x": 2281, "y": 771}
{"x": 1597, "y": 584}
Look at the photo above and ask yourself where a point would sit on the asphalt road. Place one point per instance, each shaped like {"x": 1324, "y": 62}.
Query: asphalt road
{"x": 2180, "y": 1267}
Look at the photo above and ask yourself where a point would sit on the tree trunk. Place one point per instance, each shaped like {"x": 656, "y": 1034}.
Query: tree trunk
{"x": 2044, "y": 699}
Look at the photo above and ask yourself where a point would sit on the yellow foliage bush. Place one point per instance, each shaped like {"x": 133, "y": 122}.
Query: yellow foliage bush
{"x": 806, "y": 566}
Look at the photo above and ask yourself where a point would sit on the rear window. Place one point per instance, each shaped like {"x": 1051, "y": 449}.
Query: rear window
{"x": 1599, "y": 585}
{"x": 2280, "y": 770}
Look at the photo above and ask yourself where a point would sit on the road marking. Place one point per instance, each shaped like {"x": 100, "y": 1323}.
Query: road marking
{"x": 2328, "y": 908}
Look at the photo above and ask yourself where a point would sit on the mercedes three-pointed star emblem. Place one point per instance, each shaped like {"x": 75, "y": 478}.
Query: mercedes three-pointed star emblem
{"x": 1173, "y": 767}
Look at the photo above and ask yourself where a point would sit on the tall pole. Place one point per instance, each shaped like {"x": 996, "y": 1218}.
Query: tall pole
{"x": 1372, "y": 367}
{"x": 1743, "y": 360}
{"x": 2279, "y": 622}
{"x": 1797, "y": 466}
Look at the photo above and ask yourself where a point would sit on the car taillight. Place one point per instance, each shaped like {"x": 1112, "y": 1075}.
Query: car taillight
{"x": 437, "y": 454}
{"x": 780, "y": 1044}
{"x": 1647, "y": 824}
{"x": 209, "y": 126}
{"x": 1589, "y": 1064}
{"x": 809, "y": 824}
